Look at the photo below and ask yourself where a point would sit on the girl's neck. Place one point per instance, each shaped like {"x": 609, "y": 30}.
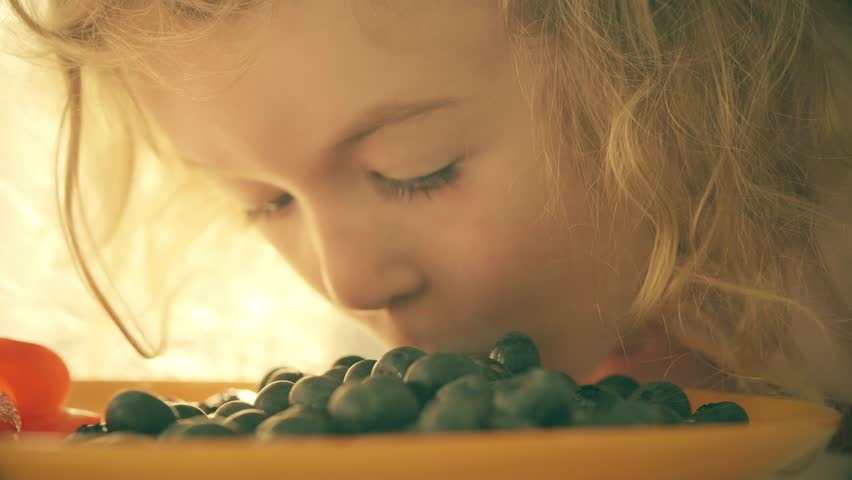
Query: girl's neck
{"x": 655, "y": 355}
{"x": 825, "y": 342}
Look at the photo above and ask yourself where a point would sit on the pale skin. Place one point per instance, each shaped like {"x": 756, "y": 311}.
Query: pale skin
{"x": 338, "y": 106}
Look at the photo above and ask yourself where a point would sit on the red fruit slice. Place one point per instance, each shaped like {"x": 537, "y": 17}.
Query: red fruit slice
{"x": 35, "y": 376}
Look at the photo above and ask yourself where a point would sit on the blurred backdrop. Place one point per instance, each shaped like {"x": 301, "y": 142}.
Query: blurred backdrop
{"x": 224, "y": 327}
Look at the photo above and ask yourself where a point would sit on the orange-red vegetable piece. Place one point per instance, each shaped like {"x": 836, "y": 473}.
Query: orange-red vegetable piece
{"x": 34, "y": 377}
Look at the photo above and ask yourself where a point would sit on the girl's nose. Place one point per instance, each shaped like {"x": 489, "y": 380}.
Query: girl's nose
{"x": 363, "y": 267}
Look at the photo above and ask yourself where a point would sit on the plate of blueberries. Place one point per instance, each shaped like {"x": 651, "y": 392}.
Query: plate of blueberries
{"x": 411, "y": 414}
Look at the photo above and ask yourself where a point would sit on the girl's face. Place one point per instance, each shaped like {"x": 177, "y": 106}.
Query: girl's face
{"x": 389, "y": 156}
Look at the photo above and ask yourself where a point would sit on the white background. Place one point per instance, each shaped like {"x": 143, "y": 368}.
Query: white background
{"x": 226, "y": 328}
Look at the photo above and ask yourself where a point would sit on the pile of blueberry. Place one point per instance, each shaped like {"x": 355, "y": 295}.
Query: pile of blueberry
{"x": 408, "y": 390}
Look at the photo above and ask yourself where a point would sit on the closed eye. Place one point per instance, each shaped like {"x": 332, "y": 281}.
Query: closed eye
{"x": 423, "y": 185}
{"x": 390, "y": 187}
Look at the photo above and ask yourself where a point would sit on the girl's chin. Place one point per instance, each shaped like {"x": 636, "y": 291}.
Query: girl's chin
{"x": 468, "y": 339}
{"x": 614, "y": 365}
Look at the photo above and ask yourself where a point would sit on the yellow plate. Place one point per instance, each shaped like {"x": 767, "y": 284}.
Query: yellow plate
{"x": 780, "y": 432}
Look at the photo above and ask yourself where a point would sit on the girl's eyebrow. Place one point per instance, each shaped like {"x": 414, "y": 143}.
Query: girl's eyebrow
{"x": 369, "y": 122}
{"x": 375, "y": 118}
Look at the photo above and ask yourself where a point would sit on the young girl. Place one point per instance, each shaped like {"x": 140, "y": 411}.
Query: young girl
{"x": 655, "y": 188}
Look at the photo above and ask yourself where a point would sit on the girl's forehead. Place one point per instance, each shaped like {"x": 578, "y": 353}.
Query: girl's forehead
{"x": 300, "y": 74}
{"x": 336, "y": 38}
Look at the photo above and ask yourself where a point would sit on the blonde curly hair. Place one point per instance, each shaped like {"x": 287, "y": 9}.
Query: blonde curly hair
{"x": 707, "y": 116}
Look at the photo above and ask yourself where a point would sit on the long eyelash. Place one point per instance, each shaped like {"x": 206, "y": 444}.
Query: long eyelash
{"x": 406, "y": 189}
{"x": 425, "y": 185}
{"x": 269, "y": 208}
